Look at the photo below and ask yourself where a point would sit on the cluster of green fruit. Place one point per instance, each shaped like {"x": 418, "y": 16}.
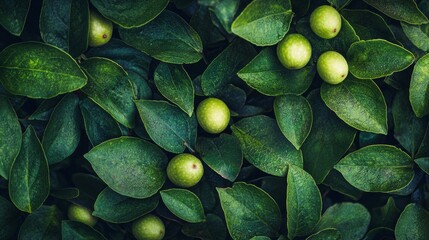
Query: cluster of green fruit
{"x": 294, "y": 51}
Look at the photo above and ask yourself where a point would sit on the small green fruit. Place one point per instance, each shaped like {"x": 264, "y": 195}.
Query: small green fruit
{"x": 332, "y": 67}
{"x": 213, "y": 115}
{"x": 81, "y": 214}
{"x": 100, "y": 30}
{"x": 149, "y": 227}
{"x": 294, "y": 51}
{"x": 185, "y": 170}
{"x": 325, "y": 21}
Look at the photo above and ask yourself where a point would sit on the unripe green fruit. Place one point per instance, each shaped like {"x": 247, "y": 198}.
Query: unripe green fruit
{"x": 294, "y": 51}
{"x": 100, "y": 30}
{"x": 185, "y": 170}
{"x": 325, "y": 21}
{"x": 81, "y": 214}
{"x": 332, "y": 67}
{"x": 149, "y": 227}
{"x": 213, "y": 115}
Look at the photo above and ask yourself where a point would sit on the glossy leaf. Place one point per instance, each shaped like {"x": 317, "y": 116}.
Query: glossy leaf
{"x": 249, "y": 211}
{"x": 141, "y": 164}
{"x": 109, "y": 87}
{"x": 264, "y": 146}
{"x": 9, "y": 219}
{"x": 212, "y": 229}
{"x": 62, "y": 134}
{"x": 175, "y": 84}
{"x": 358, "y": 103}
{"x": 65, "y": 24}
{"x": 386, "y": 168}
{"x": 10, "y": 137}
{"x": 263, "y": 22}
{"x": 39, "y": 70}
{"x": 417, "y": 34}
{"x": 44, "y": 223}
{"x": 184, "y": 204}
{"x": 412, "y": 224}
{"x": 167, "y": 38}
{"x": 130, "y": 14}
{"x": 266, "y": 75}
{"x": 386, "y": 215}
{"x": 303, "y": 202}
{"x": 402, "y": 10}
{"x": 326, "y": 234}
{"x": 13, "y": 14}
{"x": 29, "y": 175}
{"x": 419, "y": 87}
{"x": 329, "y": 139}
{"x": 351, "y": 219}
{"x": 79, "y": 231}
{"x": 294, "y": 117}
{"x": 337, "y": 183}
{"x": 377, "y": 58}
{"x": 116, "y": 208}
{"x": 225, "y": 11}
{"x": 223, "y": 154}
{"x": 167, "y": 125}
{"x": 423, "y": 163}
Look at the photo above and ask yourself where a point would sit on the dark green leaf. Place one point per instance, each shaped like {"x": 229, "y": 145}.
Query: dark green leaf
{"x": 380, "y": 233}
{"x": 175, "y": 84}
{"x": 44, "y": 223}
{"x": 249, "y": 211}
{"x": 266, "y": 75}
{"x": 225, "y": 11}
{"x": 184, "y": 204}
{"x": 167, "y": 125}
{"x": 402, "y": 10}
{"x": 412, "y": 224}
{"x": 13, "y": 14}
{"x": 419, "y": 87}
{"x": 78, "y": 231}
{"x": 377, "y": 58}
{"x": 326, "y": 234}
{"x": 9, "y": 219}
{"x": 423, "y": 163}
{"x": 385, "y": 216}
{"x": 212, "y": 229}
{"x": 65, "y": 193}
{"x": 29, "y": 175}
{"x": 264, "y": 145}
{"x": 140, "y": 171}
{"x": 116, "y": 208}
{"x": 337, "y": 183}
{"x": 44, "y": 110}
{"x": 39, "y": 70}
{"x": 418, "y": 35}
{"x": 234, "y": 97}
{"x": 264, "y": 22}
{"x": 167, "y": 38}
{"x": 386, "y": 168}
{"x": 203, "y": 25}
{"x": 339, "y": 3}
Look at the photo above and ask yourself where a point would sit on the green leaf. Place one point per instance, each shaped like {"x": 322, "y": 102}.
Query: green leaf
{"x": 263, "y": 22}
{"x": 303, "y": 202}
{"x": 412, "y": 224}
{"x": 9, "y": 219}
{"x": 13, "y": 14}
{"x": 212, "y": 229}
{"x": 402, "y": 10}
{"x": 71, "y": 230}
{"x": 174, "y": 83}
{"x": 329, "y": 139}
{"x": 130, "y": 14}
{"x": 222, "y": 154}
{"x": 339, "y": 4}
{"x": 65, "y": 25}
{"x": 99, "y": 125}
{"x": 385, "y": 216}
{"x": 266, "y": 75}
{"x": 167, "y": 125}
{"x": 409, "y": 130}
{"x": 264, "y": 145}
{"x": 62, "y": 134}
{"x": 294, "y": 117}
{"x": 223, "y": 69}
{"x": 423, "y": 163}
{"x": 225, "y": 11}
{"x": 418, "y": 35}
{"x": 386, "y": 168}
{"x": 337, "y": 183}
{"x": 38, "y": 70}
{"x": 326, "y": 234}
{"x": 203, "y": 25}
{"x": 10, "y": 137}
{"x": 249, "y": 211}
{"x": 140, "y": 173}
{"x": 380, "y": 233}
{"x": 167, "y": 38}
{"x": 351, "y": 219}
{"x": 44, "y": 223}
{"x": 184, "y": 204}
{"x": 110, "y": 88}
{"x": 234, "y": 97}
{"x": 65, "y": 193}
{"x": 44, "y": 110}
{"x": 377, "y": 58}
{"x": 29, "y": 175}
{"x": 116, "y": 208}
{"x": 419, "y": 87}
{"x": 358, "y": 103}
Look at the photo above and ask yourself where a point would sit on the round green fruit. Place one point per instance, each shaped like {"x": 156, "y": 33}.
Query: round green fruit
{"x": 81, "y": 214}
{"x": 294, "y": 51}
{"x": 325, "y": 21}
{"x": 213, "y": 115}
{"x": 185, "y": 170}
{"x": 149, "y": 227}
{"x": 100, "y": 30}
{"x": 332, "y": 67}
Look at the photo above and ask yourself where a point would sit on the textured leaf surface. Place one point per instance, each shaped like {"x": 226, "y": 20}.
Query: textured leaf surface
{"x": 13, "y": 14}
{"x": 79, "y": 231}
{"x": 326, "y": 234}
{"x": 402, "y": 10}
{"x": 184, "y": 204}
{"x": 212, "y": 229}
{"x": 419, "y": 87}
{"x": 44, "y": 223}
{"x": 412, "y": 224}
{"x": 386, "y": 215}
{"x": 417, "y": 34}
{"x": 423, "y": 164}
